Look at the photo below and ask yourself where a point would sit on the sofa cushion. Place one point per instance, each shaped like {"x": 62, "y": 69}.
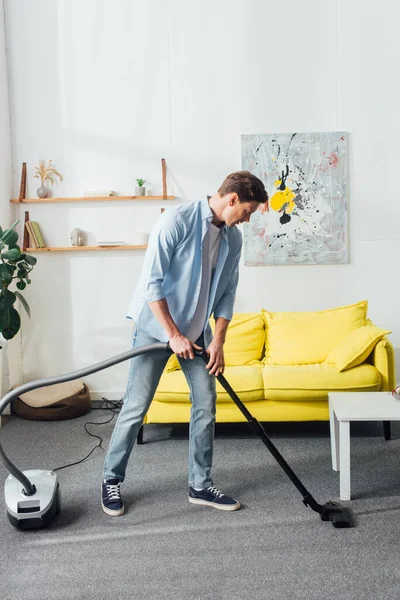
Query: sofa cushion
{"x": 296, "y": 338}
{"x": 244, "y": 343}
{"x": 296, "y": 382}
{"x": 245, "y": 380}
{"x": 355, "y": 348}
{"x": 245, "y": 339}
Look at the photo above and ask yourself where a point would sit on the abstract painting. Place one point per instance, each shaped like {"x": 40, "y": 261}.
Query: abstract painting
{"x": 305, "y": 175}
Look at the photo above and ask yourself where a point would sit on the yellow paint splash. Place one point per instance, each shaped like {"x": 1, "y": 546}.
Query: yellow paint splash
{"x": 282, "y": 197}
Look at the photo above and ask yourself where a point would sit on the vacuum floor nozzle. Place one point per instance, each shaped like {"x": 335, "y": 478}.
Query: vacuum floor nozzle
{"x": 340, "y": 516}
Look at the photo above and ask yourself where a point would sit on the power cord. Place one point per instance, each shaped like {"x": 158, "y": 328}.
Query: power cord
{"x": 112, "y": 405}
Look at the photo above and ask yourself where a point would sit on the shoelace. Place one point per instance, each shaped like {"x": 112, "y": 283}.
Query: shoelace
{"x": 113, "y": 491}
{"x": 215, "y": 491}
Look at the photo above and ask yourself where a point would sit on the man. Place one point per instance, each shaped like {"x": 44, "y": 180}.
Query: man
{"x": 190, "y": 272}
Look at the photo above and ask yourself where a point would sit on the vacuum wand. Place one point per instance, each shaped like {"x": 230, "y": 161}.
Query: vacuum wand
{"x": 339, "y": 516}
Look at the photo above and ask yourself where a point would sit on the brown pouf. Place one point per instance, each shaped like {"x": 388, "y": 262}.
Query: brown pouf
{"x": 53, "y": 402}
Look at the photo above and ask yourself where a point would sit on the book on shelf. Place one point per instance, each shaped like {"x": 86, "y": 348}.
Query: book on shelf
{"x": 31, "y": 242}
{"x": 35, "y": 235}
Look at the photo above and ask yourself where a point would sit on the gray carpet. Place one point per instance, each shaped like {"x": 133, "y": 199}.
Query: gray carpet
{"x": 166, "y": 548}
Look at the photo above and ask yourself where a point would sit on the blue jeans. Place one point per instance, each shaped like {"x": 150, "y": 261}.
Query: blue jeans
{"x": 145, "y": 373}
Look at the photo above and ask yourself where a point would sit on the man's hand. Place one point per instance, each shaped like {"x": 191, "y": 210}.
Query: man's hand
{"x": 182, "y": 346}
{"x": 216, "y": 364}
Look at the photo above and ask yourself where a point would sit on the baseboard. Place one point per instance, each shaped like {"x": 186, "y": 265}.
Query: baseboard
{"x": 118, "y": 395}
{"x": 4, "y": 419}
{"x": 99, "y": 403}
{"x": 98, "y": 398}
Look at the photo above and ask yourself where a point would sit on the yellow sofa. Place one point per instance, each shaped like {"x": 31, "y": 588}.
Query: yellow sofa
{"x": 282, "y": 366}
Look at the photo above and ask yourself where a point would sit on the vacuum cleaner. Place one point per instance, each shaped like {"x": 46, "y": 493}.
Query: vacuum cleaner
{"x": 32, "y": 497}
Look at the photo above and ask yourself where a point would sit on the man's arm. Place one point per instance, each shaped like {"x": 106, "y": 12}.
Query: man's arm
{"x": 221, "y": 327}
{"x": 223, "y": 314}
{"x": 215, "y": 350}
{"x": 181, "y": 345}
{"x": 225, "y": 304}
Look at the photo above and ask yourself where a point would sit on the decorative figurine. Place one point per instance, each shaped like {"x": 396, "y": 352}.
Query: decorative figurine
{"x": 77, "y": 237}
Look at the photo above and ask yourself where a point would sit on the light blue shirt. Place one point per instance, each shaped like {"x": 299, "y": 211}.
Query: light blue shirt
{"x": 172, "y": 270}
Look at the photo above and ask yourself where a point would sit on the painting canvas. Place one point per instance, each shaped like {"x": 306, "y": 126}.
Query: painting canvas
{"x": 305, "y": 175}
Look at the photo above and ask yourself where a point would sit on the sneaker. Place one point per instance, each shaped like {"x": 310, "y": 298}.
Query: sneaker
{"x": 211, "y": 496}
{"x": 111, "y": 500}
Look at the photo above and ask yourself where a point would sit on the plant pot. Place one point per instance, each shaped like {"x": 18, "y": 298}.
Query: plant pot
{"x": 140, "y": 190}
{"x": 43, "y": 191}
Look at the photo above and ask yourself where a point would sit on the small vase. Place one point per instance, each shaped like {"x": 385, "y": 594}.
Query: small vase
{"x": 140, "y": 190}
{"x": 43, "y": 191}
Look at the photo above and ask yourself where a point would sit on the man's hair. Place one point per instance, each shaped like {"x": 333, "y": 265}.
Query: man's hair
{"x": 247, "y": 186}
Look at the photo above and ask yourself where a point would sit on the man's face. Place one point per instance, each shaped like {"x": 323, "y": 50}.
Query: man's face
{"x": 239, "y": 212}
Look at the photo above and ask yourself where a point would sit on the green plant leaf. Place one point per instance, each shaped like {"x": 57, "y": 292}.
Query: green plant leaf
{"x": 11, "y": 255}
{"x": 5, "y": 233}
{"x": 9, "y": 237}
{"x": 5, "y": 275}
{"x": 4, "y": 317}
{"x": 24, "y": 303}
{"x": 21, "y": 285}
{"x": 14, "y": 325}
{"x": 7, "y": 299}
{"x": 31, "y": 260}
{"x": 22, "y": 273}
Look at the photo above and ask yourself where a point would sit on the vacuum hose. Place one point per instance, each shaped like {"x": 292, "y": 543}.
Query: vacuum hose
{"x": 29, "y": 488}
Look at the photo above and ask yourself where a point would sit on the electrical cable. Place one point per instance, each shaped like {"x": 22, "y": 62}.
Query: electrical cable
{"x": 113, "y": 406}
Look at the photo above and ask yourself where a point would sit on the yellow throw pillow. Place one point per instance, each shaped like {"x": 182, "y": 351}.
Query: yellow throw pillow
{"x": 172, "y": 364}
{"x": 298, "y": 338}
{"x": 244, "y": 343}
{"x": 245, "y": 339}
{"x": 354, "y": 349}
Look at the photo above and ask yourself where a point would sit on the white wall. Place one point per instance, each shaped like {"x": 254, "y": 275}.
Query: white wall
{"x": 6, "y": 215}
{"x": 5, "y": 138}
{"x": 108, "y": 87}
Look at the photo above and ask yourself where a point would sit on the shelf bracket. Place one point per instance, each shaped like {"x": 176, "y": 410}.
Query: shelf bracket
{"x": 22, "y": 190}
{"x": 164, "y": 178}
{"x": 25, "y": 243}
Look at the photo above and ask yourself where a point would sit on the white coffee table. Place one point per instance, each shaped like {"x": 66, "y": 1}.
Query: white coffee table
{"x": 355, "y": 406}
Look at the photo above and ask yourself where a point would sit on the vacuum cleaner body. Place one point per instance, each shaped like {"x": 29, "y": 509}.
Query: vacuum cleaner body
{"x": 37, "y": 510}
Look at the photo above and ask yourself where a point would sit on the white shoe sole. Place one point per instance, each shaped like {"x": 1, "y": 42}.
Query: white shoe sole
{"x": 113, "y": 513}
{"x": 214, "y": 504}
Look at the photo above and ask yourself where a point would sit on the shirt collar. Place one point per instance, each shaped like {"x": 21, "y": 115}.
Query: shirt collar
{"x": 206, "y": 214}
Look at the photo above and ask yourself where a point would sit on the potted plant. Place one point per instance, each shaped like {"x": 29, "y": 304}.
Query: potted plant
{"x": 139, "y": 189}
{"x": 14, "y": 265}
{"x": 45, "y": 173}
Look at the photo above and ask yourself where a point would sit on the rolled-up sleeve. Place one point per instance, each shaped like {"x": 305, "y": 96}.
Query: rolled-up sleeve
{"x": 162, "y": 243}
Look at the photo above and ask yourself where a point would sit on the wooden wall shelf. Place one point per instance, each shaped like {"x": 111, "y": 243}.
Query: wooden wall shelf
{"x": 23, "y": 200}
{"x": 83, "y": 248}
{"x": 89, "y": 199}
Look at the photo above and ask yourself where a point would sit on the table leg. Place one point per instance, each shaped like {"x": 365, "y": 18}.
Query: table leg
{"x": 344, "y": 459}
{"x": 386, "y": 430}
{"x": 334, "y": 427}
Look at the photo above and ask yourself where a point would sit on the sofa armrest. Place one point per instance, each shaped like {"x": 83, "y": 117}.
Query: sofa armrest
{"x": 382, "y": 357}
